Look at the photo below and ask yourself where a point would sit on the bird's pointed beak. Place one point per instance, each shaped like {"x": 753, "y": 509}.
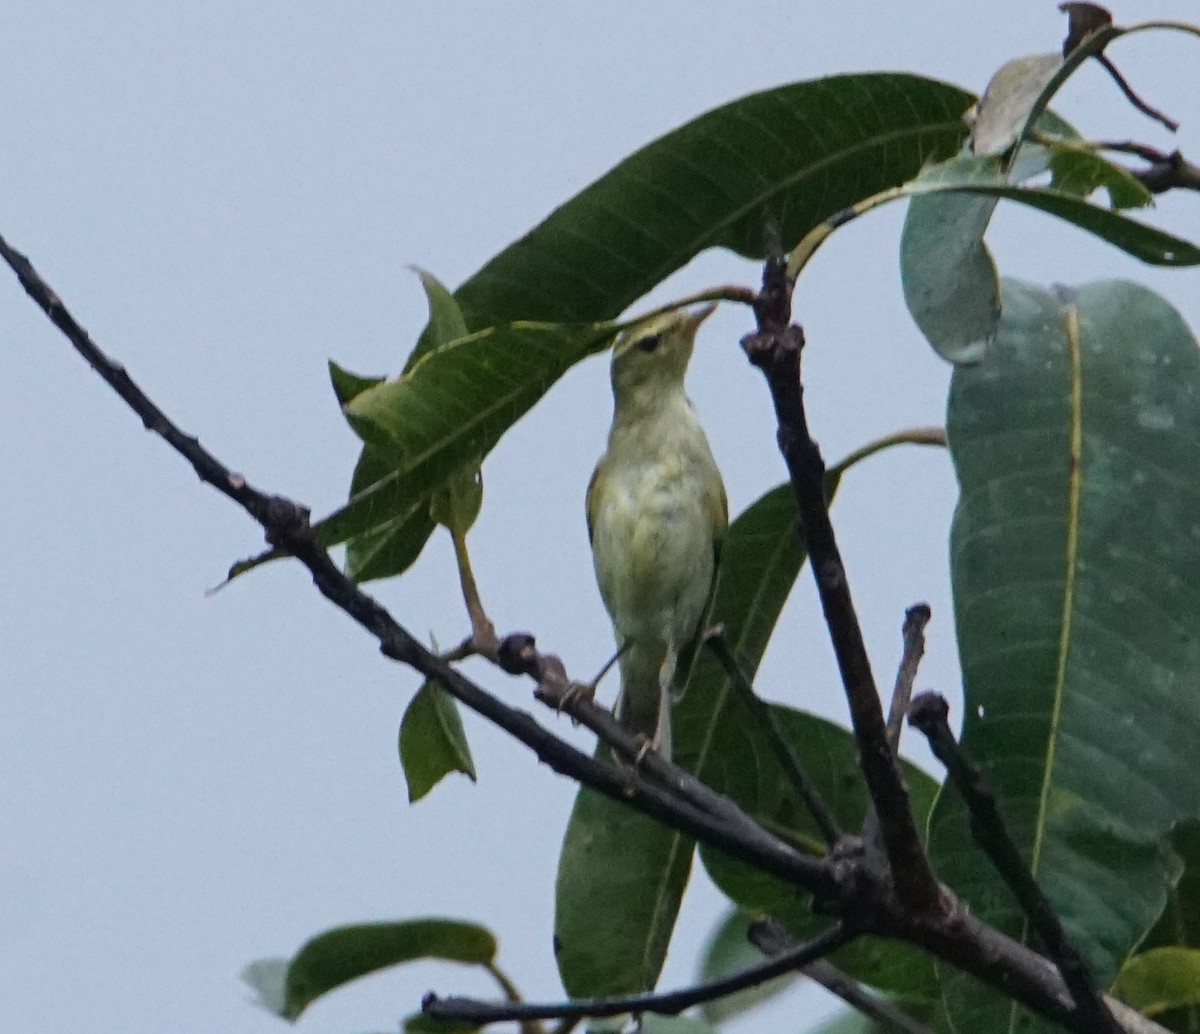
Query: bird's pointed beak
{"x": 698, "y": 316}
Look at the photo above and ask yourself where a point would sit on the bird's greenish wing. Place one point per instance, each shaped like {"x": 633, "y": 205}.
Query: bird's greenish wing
{"x": 593, "y": 501}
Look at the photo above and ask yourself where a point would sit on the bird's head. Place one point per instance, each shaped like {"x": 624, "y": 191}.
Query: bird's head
{"x": 653, "y": 356}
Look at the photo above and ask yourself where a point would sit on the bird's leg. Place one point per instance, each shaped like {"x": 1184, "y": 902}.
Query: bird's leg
{"x": 588, "y": 689}
{"x": 662, "y": 730}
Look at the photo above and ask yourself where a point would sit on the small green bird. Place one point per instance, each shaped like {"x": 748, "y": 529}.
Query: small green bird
{"x": 656, "y": 512}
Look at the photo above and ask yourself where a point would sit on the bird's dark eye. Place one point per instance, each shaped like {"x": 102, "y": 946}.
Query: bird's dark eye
{"x": 649, "y": 344}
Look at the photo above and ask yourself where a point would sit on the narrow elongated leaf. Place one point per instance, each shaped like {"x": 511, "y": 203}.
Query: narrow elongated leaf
{"x": 1179, "y": 924}
{"x": 1075, "y": 557}
{"x": 978, "y": 175}
{"x": 1160, "y": 980}
{"x": 339, "y": 956}
{"x": 621, "y": 878}
{"x": 392, "y": 545}
{"x": 452, "y": 406}
{"x": 729, "y": 951}
{"x": 781, "y": 160}
{"x": 432, "y": 741}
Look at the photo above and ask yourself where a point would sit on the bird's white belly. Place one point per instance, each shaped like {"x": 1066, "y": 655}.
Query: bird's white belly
{"x": 660, "y": 539}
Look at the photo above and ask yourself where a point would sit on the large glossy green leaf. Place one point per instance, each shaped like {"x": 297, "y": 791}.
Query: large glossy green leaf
{"x": 336, "y": 957}
{"x": 621, "y": 878}
{"x": 779, "y": 161}
{"x": 451, "y": 407}
{"x": 1075, "y": 557}
{"x": 770, "y": 164}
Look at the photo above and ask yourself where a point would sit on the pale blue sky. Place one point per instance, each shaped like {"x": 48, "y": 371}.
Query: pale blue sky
{"x": 227, "y": 195}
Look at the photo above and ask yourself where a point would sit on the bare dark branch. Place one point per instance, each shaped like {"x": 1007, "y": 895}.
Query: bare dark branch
{"x": 775, "y": 349}
{"x": 1133, "y": 98}
{"x": 929, "y": 714}
{"x": 772, "y": 938}
{"x": 669, "y": 1003}
{"x": 913, "y": 633}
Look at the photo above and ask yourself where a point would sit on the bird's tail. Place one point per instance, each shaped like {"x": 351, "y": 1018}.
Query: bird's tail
{"x": 642, "y": 668}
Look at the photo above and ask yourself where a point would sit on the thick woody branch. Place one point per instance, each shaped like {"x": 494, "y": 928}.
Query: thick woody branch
{"x": 669, "y": 1003}
{"x": 929, "y": 715}
{"x": 286, "y": 526}
{"x": 775, "y": 349}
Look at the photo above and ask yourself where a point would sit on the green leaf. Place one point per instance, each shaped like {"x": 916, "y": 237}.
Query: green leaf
{"x": 1159, "y": 980}
{"x": 452, "y": 406}
{"x": 753, "y": 778}
{"x": 950, "y": 281}
{"x": 951, "y": 285}
{"x": 394, "y": 544}
{"x": 346, "y": 953}
{"x": 347, "y": 385}
{"x": 1075, "y": 557}
{"x": 390, "y": 543}
{"x": 1179, "y": 924}
{"x": 728, "y": 951}
{"x": 1076, "y": 170}
{"x": 1003, "y": 110}
{"x": 977, "y": 174}
{"x": 455, "y": 504}
{"x": 621, "y": 876}
{"x": 432, "y": 741}
{"x": 783, "y": 160}
{"x": 446, "y": 322}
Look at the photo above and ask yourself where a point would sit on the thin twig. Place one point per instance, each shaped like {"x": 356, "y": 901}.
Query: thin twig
{"x": 802, "y": 782}
{"x": 771, "y": 938}
{"x": 915, "y": 619}
{"x": 928, "y": 714}
{"x": 1133, "y": 98}
{"x": 775, "y": 349}
{"x": 669, "y": 1003}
